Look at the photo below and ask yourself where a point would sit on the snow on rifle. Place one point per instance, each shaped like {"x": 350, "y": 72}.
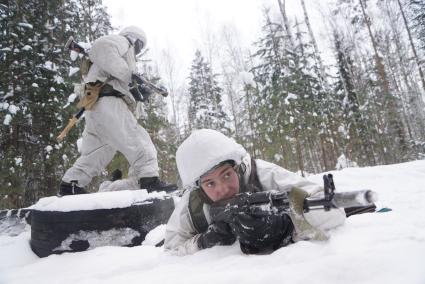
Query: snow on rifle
{"x": 277, "y": 202}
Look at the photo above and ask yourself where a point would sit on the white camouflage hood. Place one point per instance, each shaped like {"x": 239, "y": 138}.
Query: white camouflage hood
{"x": 134, "y": 33}
{"x": 203, "y": 150}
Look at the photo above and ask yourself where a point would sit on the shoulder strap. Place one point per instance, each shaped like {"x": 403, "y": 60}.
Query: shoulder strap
{"x": 196, "y": 211}
{"x": 253, "y": 181}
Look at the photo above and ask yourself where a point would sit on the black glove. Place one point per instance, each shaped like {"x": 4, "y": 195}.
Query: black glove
{"x": 140, "y": 93}
{"x": 146, "y": 87}
{"x": 259, "y": 233}
{"x": 136, "y": 78}
{"x": 217, "y": 234}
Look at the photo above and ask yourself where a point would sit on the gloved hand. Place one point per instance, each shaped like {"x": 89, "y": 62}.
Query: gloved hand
{"x": 217, "y": 234}
{"x": 258, "y": 233}
{"x": 140, "y": 93}
{"x": 136, "y": 78}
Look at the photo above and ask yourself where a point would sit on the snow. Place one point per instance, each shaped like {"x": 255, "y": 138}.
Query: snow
{"x": 18, "y": 161}
{"x": 344, "y": 162}
{"x": 71, "y": 99}
{"x": 59, "y": 79}
{"x": 13, "y": 109}
{"x": 49, "y": 65}
{"x": 100, "y": 200}
{"x": 74, "y": 55}
{"x": 290, "y": 96}
{"x": 247, "y": 78}
{"x": 73, "y": 70}
{"x": 113, "y": 237}
{"x": 4, "y": 105}
{"x": 79, "y": 144}
{"x": 278, "y": 157}
{"x": 369, "y": 248}
{"x": 25, "y": 25}
{"x": 7, "y": 119}
{"x": 48, "y": 148}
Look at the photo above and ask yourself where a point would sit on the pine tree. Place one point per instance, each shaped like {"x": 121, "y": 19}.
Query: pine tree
{"x": 156, "y": 123}
{"x": 354, "y": 128}
{"x": 34, "y": 89}
{"x": 294, "y": 109}
{"x": 205, "y": 106}
{"x": 418, "y": 17}
{"x": 397, "y": 145}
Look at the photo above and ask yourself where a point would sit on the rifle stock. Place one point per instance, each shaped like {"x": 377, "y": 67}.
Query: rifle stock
{"x": 72, "y": 121}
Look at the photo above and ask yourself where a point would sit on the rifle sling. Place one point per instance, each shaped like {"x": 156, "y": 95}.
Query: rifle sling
{"x": 111, "y": 94}
{"x": 254, "y": 183}
{"x": 196, "y": 211}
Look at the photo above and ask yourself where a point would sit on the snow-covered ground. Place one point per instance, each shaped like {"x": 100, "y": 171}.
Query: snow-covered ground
{"x": 369, "y": 248}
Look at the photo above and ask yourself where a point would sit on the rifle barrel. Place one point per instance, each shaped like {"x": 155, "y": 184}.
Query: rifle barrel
{"x": 342, "y": 200}
{"x": 354, "y": 198}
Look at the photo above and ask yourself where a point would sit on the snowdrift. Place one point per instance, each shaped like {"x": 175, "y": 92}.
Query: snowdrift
{"x": 370, "y": 248}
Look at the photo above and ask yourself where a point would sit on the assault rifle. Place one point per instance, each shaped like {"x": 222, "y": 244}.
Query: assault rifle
{"x": 277, "y": 202}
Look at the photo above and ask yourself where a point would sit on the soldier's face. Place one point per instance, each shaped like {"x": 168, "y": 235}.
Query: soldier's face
{"x": 221, "y": 183}
{"x": 138, "y": 46}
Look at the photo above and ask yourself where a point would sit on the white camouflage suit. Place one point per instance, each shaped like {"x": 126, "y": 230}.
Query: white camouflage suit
{"x": 111, "y": 125}
{"x": 206, "y": 148}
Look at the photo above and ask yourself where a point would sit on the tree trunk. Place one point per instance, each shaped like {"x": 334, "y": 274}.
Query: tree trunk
{"x": 298, "y": 151}
{"x": 285, "y": 21}
{"x": 421, "y": 74}
{"x": 396, "y": 129}
{"x": 317, "y": 57}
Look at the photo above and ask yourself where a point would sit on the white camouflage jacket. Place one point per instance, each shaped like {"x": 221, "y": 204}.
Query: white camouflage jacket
{"x": 113, "y": 60}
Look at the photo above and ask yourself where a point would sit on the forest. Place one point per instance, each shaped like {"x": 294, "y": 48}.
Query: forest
{"x": 278, "y": 97}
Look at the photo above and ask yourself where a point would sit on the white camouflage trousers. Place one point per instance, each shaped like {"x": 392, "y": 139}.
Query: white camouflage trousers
{"x": 111, "y": 127}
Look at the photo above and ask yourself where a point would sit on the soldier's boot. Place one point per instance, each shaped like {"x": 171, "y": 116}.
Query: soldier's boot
{"x": 155, "y": 184}
{"x": 70, "y": 188}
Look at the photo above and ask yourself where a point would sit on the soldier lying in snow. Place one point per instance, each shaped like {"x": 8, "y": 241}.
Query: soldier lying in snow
{"x": 216, "y": 168}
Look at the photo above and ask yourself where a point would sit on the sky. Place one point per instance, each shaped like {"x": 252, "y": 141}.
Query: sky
{"x": 368, "y": 249}
{"x": 181, "y": 27}
{"x": 176, "y": 29}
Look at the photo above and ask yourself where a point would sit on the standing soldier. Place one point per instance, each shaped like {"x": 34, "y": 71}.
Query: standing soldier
{"x": 111, "y": 125}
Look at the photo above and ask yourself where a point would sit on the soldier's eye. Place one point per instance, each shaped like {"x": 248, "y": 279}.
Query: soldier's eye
{"x": 210, "y": 184}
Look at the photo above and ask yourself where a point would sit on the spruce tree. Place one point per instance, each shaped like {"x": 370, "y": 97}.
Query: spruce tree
{"x": 417, "y": 8}
{"x": 34, "y": 89}
{"x": 354, "y": 127}
{"x": 156, "y": 123}
{"x": 270, "y": 69}
{"x": 205, "y": 105}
